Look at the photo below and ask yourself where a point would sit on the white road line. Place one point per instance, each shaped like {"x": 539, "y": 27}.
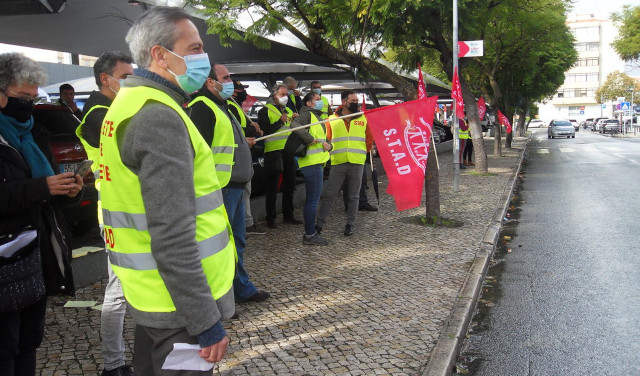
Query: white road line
{"x": 543, "y": 151}
{"x": 589, "y": 148}
{"x": 611, "y": 148}
{"x": 567, "y": 150}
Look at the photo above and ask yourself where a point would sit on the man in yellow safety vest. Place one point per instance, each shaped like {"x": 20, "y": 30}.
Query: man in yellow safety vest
{"x": 326, "y": 110}
{"x": 166, "y": 229}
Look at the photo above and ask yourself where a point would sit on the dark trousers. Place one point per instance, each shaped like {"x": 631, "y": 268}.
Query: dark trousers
{"x": 288, "y": 185}
{"x": 363, "y": 188}
{"x": 152, "y": 346}
{"x": 20, "y": 335}
{"x": 467, "y": 154}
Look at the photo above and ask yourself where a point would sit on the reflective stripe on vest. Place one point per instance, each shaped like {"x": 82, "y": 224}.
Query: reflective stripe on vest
{"x": 348, "y": 146}
{"x": 277, "y": 142}
{"x": 315, "y": 153}
{"x": 126, "y": 229}
{"x": 223, "y": 144}
{"x": 92, "y": 153}
{"x": 325, "y": 108}
{"x": 243, "y": 117}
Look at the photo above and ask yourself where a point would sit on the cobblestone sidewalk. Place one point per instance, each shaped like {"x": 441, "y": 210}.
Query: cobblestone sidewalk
{"x": 370, "y": 304}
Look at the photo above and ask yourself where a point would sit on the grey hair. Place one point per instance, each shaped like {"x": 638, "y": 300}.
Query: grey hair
{"x": 289, "y": 79}
{"x": 17, "y": 69}
{"x": 157, "y": 26}
{"x": 277, "y": 87}
{"x": 107, "y": 63}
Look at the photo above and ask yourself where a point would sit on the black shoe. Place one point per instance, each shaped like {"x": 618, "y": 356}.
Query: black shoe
{"x": 367, "y": 207}
{"x": 259, "y": 296}
{"x": 318, "y": 229}
{"x": 124, "y": 370}
{"x": 271, "y": 223}
{"x": 314, "y": 239}
{"x": 256, "y": 229}
{"x": 293, "y": 221}
{"x": 463, "y": 167}
{"x": 348, "y": 230}
{"x": 235, "y": 316}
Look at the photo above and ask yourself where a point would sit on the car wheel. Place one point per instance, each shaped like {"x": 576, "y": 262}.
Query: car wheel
{"x": 553, "y": 136}
{"x": 574, "y": 136}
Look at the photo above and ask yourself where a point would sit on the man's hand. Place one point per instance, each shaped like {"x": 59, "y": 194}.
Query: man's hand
{"x": 215, "y": 352}
{"x": 295, "y": 115}
{"x": 257, "y": 127}
{"x": 296, "y": 92}
{"x": 326, "y": 146}
{"x": 284, "y": 118}
{"x": 63, "y": 184}
{"x": 251, "y": 141}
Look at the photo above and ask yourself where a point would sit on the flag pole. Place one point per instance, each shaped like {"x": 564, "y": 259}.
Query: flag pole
{"x": 309, "y": 125}
{"x": 454, "y": 118}
{"x": 433, "y": 142}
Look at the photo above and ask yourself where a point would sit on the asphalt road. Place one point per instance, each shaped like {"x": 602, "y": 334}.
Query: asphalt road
{"x": 565, "y": 299}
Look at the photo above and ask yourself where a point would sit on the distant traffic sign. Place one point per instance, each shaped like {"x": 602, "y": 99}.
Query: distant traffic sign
{"x": 604, "y": 105}
{"x": 625, "y": 106}
{"x": 470, "y": 48}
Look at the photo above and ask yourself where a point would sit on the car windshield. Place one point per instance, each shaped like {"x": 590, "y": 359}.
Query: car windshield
{"x": 561, "y": 124}
{"x": 611, "y": 121}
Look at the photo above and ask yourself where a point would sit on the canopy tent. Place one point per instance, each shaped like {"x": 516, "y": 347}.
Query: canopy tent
{"x": 91, "y": 27}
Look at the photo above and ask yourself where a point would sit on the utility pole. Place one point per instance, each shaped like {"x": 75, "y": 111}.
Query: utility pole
{"x": 454, "y": 119}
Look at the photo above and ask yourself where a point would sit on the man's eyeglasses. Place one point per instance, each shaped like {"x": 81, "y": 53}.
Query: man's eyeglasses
{"x": 25, "y": 99}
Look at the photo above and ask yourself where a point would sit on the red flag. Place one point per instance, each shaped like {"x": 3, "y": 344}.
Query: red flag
{"x": 504, "y": 121}
{"x": 422, "y": 89}
{"x": 248, "y": 103}
{"x": 402, "y": 133}
{"x": 456, "y": 93}
{"x": 482, "y": 108}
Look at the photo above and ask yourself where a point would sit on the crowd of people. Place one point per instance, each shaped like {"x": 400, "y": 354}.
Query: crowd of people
{"x": 171, "y": 128}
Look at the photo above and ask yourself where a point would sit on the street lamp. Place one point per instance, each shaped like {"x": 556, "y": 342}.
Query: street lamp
{"x": 632, "y": 111}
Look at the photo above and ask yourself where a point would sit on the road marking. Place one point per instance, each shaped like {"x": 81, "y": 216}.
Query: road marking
{"x": 567, "y": 150}
{"x": 589, "y": 148}
{"x": 611, "y": 148}
{"x": 543, "y": 151}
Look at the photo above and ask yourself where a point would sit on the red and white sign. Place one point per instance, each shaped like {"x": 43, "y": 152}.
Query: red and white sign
{"x": 402, "y": 133}
{"x": 504, "y": 121}
{"x": 471, "y": 48}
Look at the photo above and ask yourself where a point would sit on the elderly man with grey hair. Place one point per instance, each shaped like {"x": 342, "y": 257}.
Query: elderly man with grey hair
{"x": 295, "y": 99}
{"x": 166, "y": 230}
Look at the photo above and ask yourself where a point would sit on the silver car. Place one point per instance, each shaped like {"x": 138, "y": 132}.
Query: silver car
{"x": 561, "y": 128}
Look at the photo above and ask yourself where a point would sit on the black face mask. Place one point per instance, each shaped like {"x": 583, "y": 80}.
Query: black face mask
{"x": 241, "y": 97}
{"x": 353, "y": 107}
{"x": 17, "y": 109}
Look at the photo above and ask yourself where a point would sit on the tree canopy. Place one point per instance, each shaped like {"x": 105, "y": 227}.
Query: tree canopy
{"x": 616, "y": 85}
{"x": 627, "y": 44}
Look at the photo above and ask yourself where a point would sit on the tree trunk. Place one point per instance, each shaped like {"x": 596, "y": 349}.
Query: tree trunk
{"x": 497, "y": 140}
{"x": 508, "y": 139}
{"x": 432, "y": 190}
{"x": 471, "y": 106}
{"x": 522, "y": 120}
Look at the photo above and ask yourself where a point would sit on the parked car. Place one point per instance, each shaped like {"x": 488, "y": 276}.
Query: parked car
{"x": 536, "y": 123}
{"x": 627, "y": 122}
{"x": 611, "y": 126}
{"x": 82, "y": 214}
{"x": 561, "y": 128}
{"x": 597, "y": 124}
{"x": 587, "y": 123}
{"x": 575, "y": 124}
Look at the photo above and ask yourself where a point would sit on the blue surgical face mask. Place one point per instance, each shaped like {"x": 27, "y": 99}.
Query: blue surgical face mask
{"x": 227, "y": 90}
{"x": 198, "y": 68}
{"x": 318, "y": 106}
{"x": 317, "y": 91}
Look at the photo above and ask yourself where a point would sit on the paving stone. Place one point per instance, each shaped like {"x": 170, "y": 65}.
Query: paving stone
{"x": 370, "y": 304}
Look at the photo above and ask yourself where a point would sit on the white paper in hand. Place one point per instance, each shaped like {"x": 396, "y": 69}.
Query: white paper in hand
{"x": 185, "y": 357}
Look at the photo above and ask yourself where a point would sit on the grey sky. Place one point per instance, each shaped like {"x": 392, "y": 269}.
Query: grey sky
{"x": 600, "y": 6}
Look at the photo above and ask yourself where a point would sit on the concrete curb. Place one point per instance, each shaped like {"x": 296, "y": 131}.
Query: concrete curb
{"x": 445, "y": 353}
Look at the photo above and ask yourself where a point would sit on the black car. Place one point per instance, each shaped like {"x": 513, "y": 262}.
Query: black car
{"x": 60, "y": 124}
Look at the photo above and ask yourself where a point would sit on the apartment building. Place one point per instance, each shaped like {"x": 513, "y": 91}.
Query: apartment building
{"x": 576, "y": 99}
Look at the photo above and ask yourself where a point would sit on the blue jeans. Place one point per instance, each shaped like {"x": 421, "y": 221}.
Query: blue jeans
{"x": 313, "y": 189}
{"x": 243, "y": 288}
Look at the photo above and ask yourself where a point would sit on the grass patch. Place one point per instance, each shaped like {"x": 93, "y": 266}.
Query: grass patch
{"x": 482, "y": 173}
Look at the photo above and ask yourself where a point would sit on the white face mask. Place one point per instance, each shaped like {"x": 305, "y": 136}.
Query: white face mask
{"x": 283, "y": 101}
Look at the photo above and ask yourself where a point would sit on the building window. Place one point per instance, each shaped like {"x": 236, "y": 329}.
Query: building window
{"x": 588, "y": 62}
{"x": 575, "y": 110}
{"x": 587, "y": 46}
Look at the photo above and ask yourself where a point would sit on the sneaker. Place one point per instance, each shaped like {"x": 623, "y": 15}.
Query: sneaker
{"x": 367, "y": 207}
{"x": 348, "y": 230}
{"x": 124, "y": 370}
{"x": 314, "y": 239}
{"x": 256, "y": 229}
{"x": 259, "y": 296}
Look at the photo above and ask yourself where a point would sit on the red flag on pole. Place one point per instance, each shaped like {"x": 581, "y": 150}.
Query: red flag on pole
{"x": 482, "y": 108}
{"x": 402, "y": 133}
{"x": 422, "y": 89}
{"x": 504, "y": 121}
{"x": 248, "y": 103}
{"x": 456, "y": 93}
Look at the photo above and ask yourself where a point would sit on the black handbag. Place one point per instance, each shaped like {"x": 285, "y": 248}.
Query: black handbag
{"x": 295, "y": 145}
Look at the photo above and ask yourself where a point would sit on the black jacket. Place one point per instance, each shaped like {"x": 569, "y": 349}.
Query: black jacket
{"x": 25, "y": 202}
{"x": 93, "y": 122}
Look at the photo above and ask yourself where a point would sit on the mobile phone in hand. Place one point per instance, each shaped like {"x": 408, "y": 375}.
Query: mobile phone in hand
{"x": 83, "y": 168}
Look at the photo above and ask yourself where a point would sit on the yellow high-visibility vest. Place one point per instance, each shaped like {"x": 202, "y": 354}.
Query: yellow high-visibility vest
{"x": 315, "y": 153}
{"x": 348, "y": 146}
{"x": 277, "y": 142}
{"x": 125, "y": 223}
